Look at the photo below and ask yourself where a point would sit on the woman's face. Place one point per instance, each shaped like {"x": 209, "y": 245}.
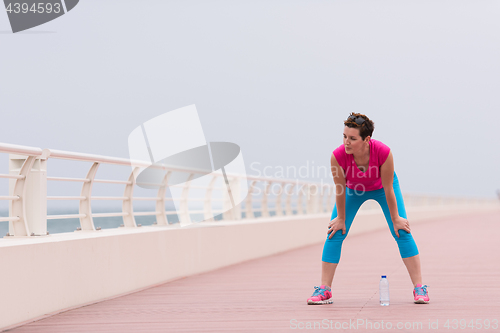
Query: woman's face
{"x": 352, "y": 140}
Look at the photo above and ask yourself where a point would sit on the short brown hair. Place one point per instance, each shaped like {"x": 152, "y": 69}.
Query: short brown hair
{"x": 365, "y": 129}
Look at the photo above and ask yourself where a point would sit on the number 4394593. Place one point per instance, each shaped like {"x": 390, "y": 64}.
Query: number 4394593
{"x": 37, "y": 8}
{"x": 474, "y": 324}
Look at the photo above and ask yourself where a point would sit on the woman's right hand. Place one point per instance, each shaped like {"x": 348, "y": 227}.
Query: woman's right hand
{"x": 335, "y": 225}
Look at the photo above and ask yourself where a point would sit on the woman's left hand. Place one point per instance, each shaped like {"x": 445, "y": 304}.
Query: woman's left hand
{"x": 401, "y": 223}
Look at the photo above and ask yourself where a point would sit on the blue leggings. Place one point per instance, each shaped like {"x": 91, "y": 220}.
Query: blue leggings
{"x": 354, "y": 200}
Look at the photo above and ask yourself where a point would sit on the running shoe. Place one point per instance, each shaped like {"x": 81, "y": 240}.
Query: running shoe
{"x": 420, "y": 295}
{"x": 321, "y": 295}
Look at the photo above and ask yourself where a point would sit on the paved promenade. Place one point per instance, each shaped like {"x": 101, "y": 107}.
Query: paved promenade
{"x": 460, "y": 263}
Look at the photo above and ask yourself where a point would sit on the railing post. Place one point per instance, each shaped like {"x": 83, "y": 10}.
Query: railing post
{"x": 128, "y": 205}
{"x": 288, "y": 204}
{"x": 31, "y": 208}
{"x": 331, "y": 198}
{"x": 236, "y": 193}
{"x": 265, "y": 206}
{"x": 319, "y": 199}
{"x": 300, "y": 204}
{"x": 184, "y": 217}
{"x": 227, "y": 213}
{"x": 232, "y": 212}
{"x": 279, "y": 209}
{"x": 248, "y": 203}
{"x": 322, "y": 203}
{"x": 207, "y": 203}
{"x": 161, "y": 214}
{"x": 87, "y": 222}
{"x": 312, "y": 199}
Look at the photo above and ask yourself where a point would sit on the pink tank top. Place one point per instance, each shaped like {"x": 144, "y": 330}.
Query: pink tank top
{"x": 356, "y": 179}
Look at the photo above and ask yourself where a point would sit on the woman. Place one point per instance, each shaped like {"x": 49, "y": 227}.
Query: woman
{"x": 363, "y": 169}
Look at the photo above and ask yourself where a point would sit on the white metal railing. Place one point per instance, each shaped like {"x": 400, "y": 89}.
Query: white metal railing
{"x": 28, "y": 218}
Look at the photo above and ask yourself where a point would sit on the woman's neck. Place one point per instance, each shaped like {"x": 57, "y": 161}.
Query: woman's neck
{"x": 363, "y": 155}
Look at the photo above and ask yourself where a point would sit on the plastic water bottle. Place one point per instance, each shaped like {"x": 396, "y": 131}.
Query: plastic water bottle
{"x": 384, "y": 291}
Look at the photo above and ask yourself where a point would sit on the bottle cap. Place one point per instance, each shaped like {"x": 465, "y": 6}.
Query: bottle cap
{"x": 384, "y": 276}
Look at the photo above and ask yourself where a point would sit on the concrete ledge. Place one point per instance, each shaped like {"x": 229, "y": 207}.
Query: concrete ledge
{"x": 49, "y": 274}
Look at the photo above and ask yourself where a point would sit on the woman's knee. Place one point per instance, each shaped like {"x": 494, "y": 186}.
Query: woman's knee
{"x": 403, "y": 235}
{"x": 331, "y": 251}
{"x": 406, "y": 243}
{"x": 337, "y": 236}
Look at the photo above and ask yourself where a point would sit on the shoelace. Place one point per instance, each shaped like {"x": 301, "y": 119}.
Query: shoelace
{"x": 318, "y": 291}
{"x": 421, "y": 291}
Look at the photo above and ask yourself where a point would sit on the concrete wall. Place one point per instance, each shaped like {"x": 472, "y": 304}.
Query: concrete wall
{"x": 43, "y": 275}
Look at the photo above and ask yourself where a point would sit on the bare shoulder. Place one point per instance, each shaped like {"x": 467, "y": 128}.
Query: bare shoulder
{"x": 334, "y": 161}
{"x": 337, "y": 171}
{"x": 387, "y": 171}
{"x": 390, "y": 159}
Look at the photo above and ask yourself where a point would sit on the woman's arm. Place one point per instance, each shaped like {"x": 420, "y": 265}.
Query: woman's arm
{"x": 338, "y": 223}
{"x": 339, "y": 180}
{"x": 387, "y": 175}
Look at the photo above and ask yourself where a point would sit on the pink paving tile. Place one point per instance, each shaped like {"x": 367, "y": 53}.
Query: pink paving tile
{"x": 460, "y": 262}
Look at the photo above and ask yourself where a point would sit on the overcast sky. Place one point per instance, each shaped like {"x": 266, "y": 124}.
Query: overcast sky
{"x": 275, "y": 77}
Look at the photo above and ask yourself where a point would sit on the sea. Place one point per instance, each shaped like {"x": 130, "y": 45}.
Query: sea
{"x": 71, "y": 225}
